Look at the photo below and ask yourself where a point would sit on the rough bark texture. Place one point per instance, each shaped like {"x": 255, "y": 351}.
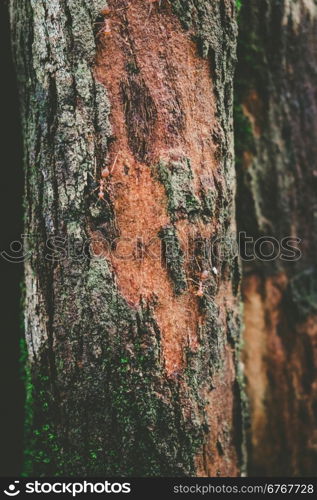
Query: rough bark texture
{"x": 276, "y": 126}
{"x": 130, "y": 372}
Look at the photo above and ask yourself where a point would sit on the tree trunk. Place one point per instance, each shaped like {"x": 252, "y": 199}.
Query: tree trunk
{"x": 133, "y": 349}
{"x": 276, "y": 117}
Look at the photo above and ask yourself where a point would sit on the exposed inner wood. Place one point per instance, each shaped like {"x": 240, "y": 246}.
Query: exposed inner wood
{"x": 162, "y": 107}
{"x": 276, "y": 355}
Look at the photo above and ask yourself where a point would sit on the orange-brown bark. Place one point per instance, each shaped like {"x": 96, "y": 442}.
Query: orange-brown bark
{"x": 279, "y": 355}
{"x": 174, "y": 115}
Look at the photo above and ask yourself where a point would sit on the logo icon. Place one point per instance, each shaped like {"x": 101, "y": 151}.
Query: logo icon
{"x": 12, "y": 490}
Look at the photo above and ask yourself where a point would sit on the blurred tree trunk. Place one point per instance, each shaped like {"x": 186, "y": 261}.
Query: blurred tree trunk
{"x": 276, "y": 127}
{"x": 130, "y": 371}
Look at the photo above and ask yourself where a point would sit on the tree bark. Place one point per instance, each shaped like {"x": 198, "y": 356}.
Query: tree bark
{"x": 276, "y": 125}
{"x": 130, "y": 371}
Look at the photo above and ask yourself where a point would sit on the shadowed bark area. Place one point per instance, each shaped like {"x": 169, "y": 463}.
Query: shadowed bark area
{"x": 133, "y": 358}
{"x": 276, "y": 125}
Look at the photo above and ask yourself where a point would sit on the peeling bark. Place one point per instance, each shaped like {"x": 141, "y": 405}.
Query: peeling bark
{"x": 276, "y": 124}
{"x": 130, "y": 371}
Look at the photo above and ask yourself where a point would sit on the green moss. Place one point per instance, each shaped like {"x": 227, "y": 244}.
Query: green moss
{"x": 41, "y": 440}
{"x": 122, "y": 412}
{"x": 25, "y": 373}
{"x": 238, "y": 5}
{"x": 28, "y": 403}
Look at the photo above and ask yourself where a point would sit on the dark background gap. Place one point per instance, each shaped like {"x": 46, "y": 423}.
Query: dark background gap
{"x": 11, "y": 275}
